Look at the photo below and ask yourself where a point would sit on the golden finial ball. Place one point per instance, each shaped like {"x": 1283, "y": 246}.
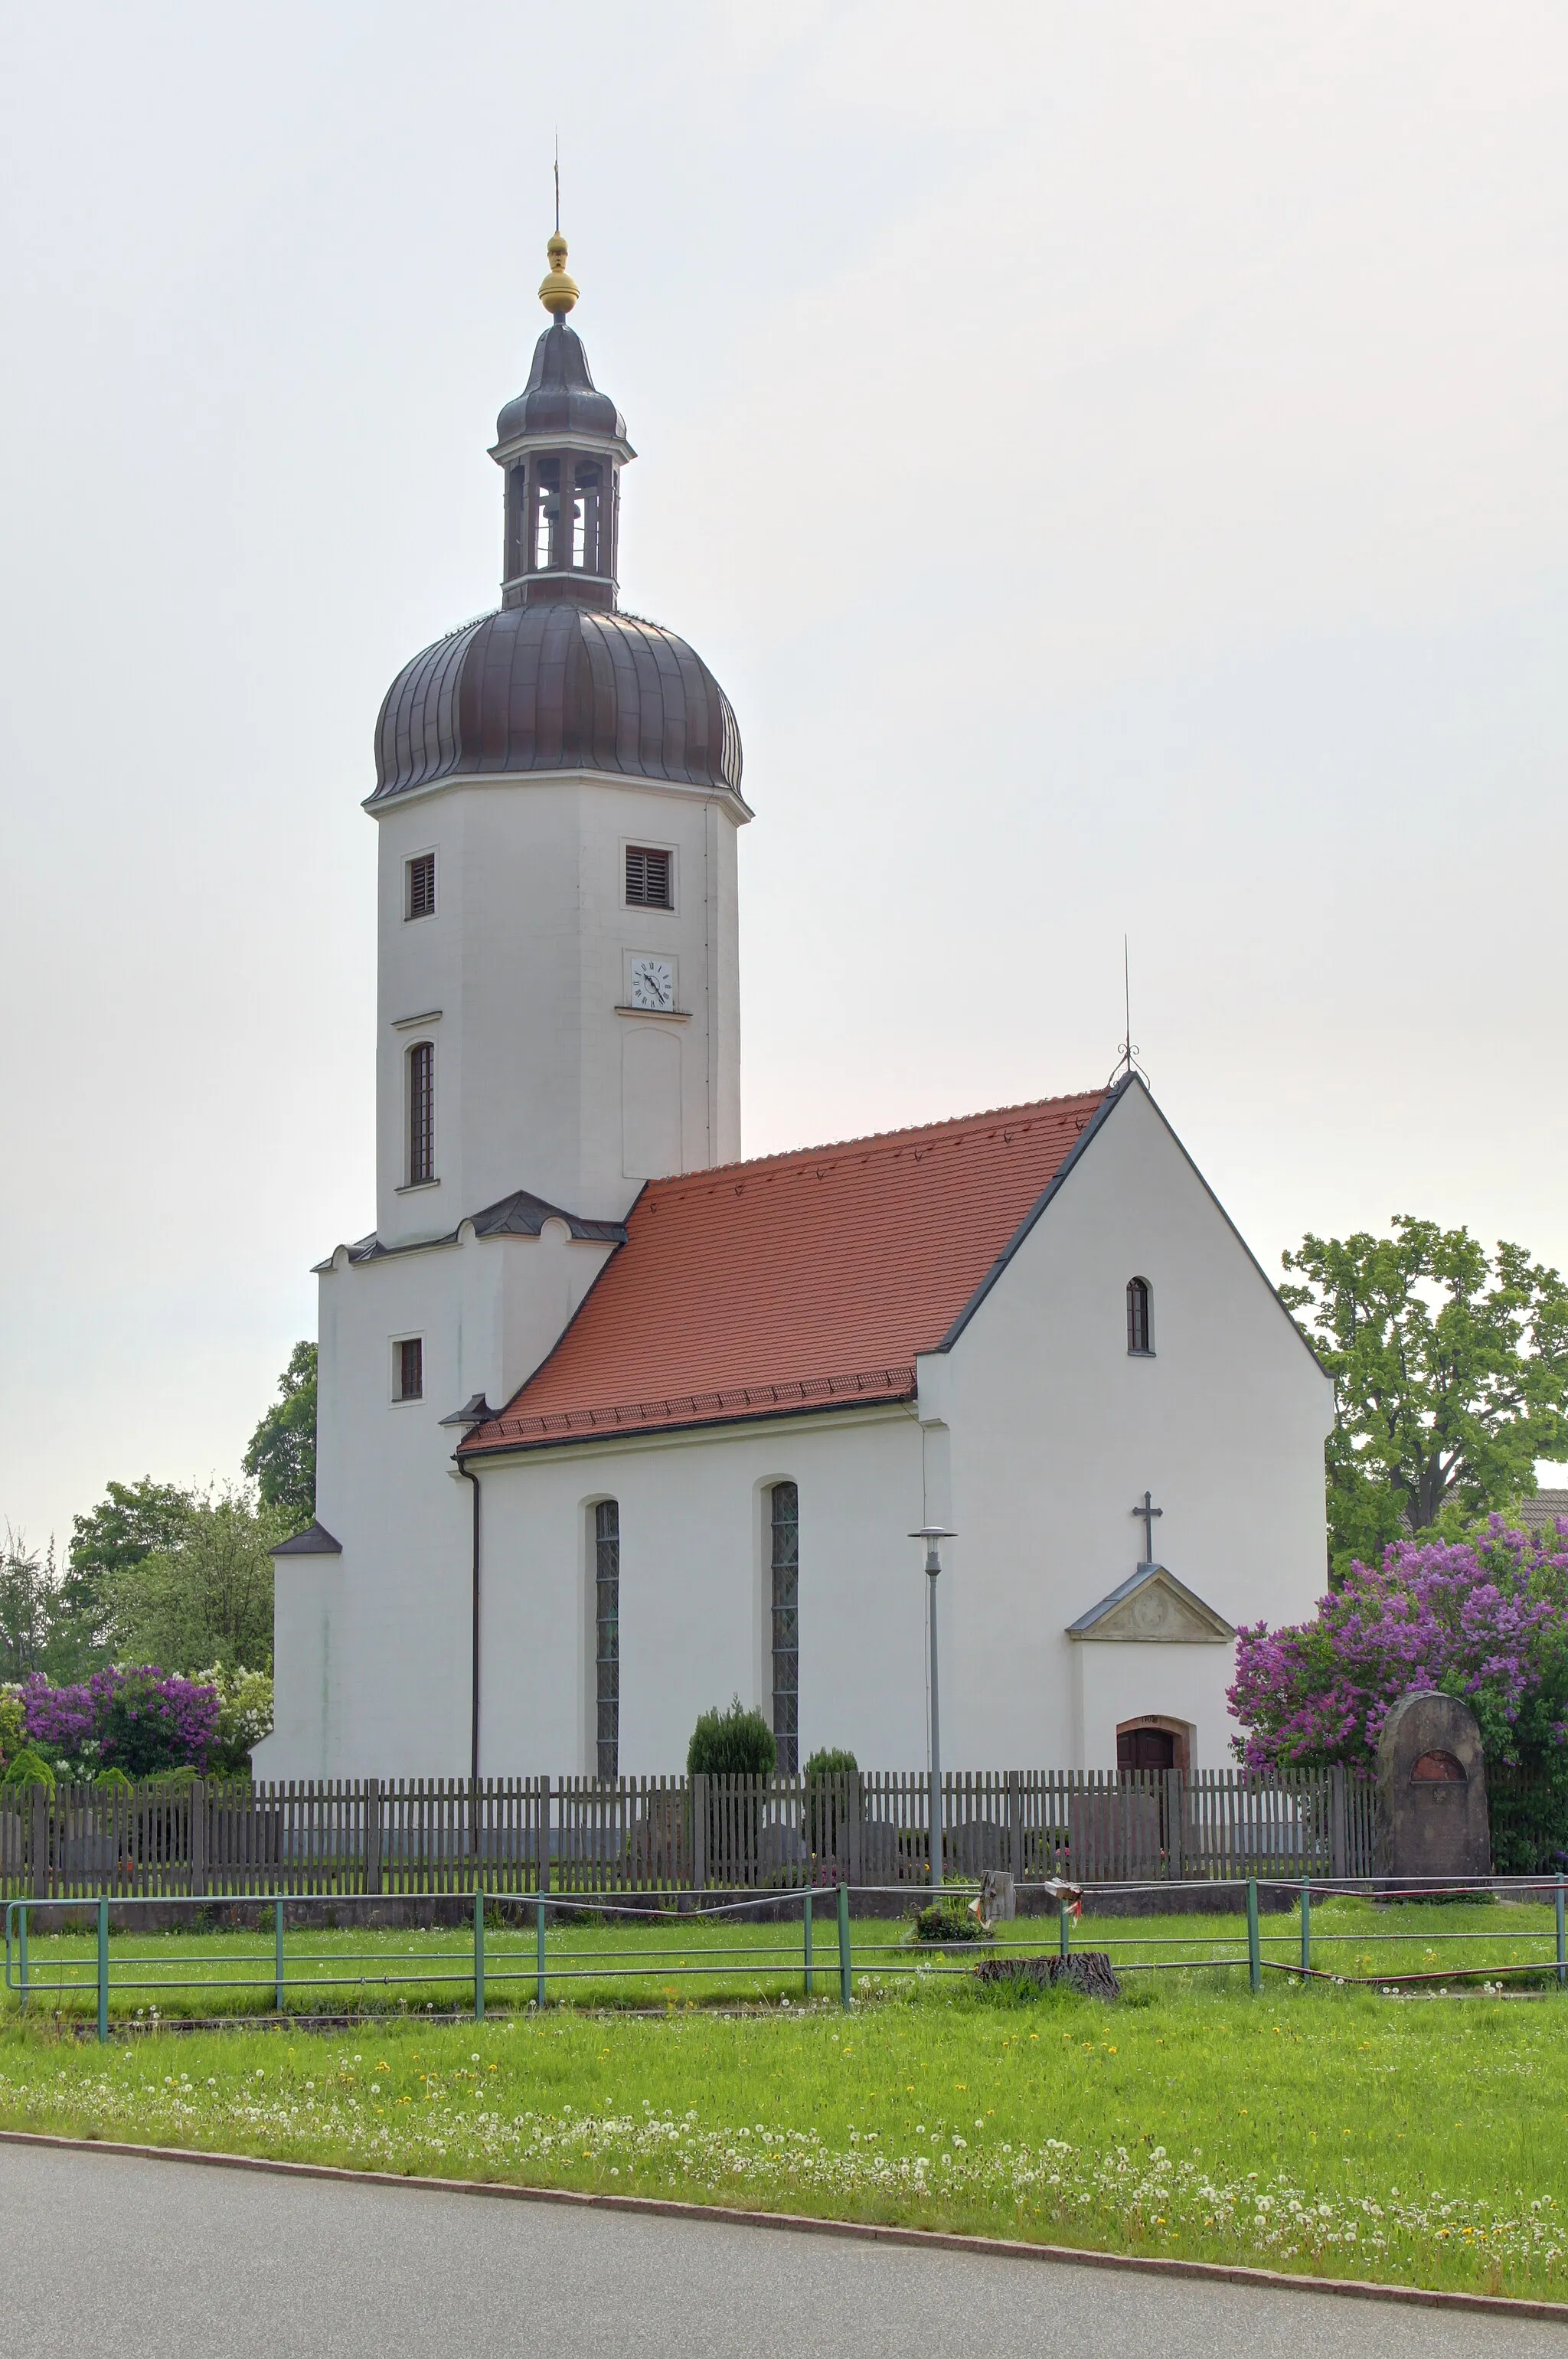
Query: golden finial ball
{"x": 558, "y": 293}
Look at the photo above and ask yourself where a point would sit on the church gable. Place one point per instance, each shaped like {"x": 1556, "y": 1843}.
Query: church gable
{"x": 1153, "y": 1606}
{"x": 1131, "y": 1098}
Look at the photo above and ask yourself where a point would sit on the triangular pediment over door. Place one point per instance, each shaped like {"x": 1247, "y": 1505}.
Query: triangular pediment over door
{"x": 1153, "y": 1606}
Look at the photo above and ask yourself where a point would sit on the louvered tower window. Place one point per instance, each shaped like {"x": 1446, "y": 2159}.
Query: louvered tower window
{"x": 647, "y": 878}
{"x": 422, "y": 886}
{"x": 785, "y": 1564}
{"x": 421, "y": 1113}
{"x": 607, "y": 1636}
{"x": 1140, "y": 1332}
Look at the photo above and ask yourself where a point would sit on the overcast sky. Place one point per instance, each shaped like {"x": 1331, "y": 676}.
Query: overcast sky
{"x": 1115, "y": 460}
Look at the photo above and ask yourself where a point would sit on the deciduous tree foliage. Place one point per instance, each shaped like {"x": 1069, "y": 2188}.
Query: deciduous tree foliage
{"x": 28, "y": 1589}
{"x": 1451, "y": 1378}
{"x": 130, "y": 1522}
{"x": 281, "y": 1458}
{"x": 205, "y": 1600}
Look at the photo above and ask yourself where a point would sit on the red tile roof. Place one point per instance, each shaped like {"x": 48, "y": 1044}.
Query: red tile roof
{"x": 797, "y": 1281}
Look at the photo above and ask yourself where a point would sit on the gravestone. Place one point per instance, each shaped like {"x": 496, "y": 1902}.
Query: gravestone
{"x": 1431, "y": 1792}
{"x": 998, "y": 1898}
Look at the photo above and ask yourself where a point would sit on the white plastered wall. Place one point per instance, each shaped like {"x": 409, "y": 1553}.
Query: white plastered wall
{"x": 372, "y": 1646}
{"x": 1057, "y": 1430}
{"x": 522, "y": 972}
{"x": 694, "y": 1590}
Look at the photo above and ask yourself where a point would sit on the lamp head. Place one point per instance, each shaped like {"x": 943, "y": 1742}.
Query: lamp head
{"x": 930, "y": 1534}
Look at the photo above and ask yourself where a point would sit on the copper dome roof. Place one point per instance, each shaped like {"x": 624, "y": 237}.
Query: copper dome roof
{"x": 557, "y": 687}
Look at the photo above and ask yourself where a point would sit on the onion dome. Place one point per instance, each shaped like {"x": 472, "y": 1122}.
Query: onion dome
{"x": 561, "y": 686}
{"x": 559, "y": 679}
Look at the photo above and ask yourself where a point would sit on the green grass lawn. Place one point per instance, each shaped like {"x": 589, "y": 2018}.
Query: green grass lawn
{"x": 1314, "y": 2128}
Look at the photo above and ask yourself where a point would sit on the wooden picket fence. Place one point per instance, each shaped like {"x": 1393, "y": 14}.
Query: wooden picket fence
{"x": 370, "y": 1836}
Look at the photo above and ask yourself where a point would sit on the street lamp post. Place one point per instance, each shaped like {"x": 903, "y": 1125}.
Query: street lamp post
{"x": 931, "y": 1534}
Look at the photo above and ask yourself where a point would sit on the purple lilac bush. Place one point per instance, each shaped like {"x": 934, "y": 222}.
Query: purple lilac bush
{"x": 141, "y": 1720}
{"x": 1484, "y": 1618}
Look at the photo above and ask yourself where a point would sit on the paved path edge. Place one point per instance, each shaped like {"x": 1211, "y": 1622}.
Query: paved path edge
{"x": 867, "y": 2232}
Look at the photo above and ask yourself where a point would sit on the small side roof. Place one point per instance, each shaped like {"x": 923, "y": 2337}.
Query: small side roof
{"x": 314, "y": 1540}
{"x": 520, "y": 1214}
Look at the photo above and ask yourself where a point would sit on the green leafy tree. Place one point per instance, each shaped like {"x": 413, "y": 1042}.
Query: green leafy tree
{"x": 207, "y": 1598}
{"x": 1451, "y": 1378}
{"x": 281, "y": 1458}
{"x": 29, "y": 1590}
{"x": 130, "y": 1522}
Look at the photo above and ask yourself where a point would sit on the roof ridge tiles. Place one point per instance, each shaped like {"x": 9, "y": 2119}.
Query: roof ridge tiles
{"x": 911, "y": 1133}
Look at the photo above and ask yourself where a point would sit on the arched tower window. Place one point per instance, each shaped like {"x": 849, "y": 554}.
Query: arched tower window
{"x": 1140, "y": 1327}
{"x": 607, "y": 1637}
{"x": 784, "y": 1564}
{"x": 422, "y": 1113}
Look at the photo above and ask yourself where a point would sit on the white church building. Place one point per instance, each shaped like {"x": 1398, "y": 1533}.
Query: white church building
{"x": 615, "y": 1426}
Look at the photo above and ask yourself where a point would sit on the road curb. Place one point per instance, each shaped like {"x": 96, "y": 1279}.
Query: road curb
{"x": 802, "y": 2223}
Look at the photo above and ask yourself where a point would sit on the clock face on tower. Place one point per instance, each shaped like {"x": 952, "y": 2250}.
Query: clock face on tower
{"x": 653, "y": 984}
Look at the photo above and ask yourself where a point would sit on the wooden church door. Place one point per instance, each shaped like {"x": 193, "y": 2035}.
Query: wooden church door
{"x": 1145, "y": 1748}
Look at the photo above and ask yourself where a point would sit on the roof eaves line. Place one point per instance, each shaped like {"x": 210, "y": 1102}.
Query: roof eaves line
{"x": 843, "y": 1383}
{"x": 381, "y": 798}
{"x": 1113, "y": 1097}
{"x": 846, "y": 1405}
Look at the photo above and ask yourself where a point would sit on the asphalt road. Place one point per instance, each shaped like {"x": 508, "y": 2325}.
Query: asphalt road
{"x": 159, "y": 2260}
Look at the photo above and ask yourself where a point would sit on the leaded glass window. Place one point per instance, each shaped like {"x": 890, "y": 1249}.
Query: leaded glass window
{"x": 607, "y": 1636}
{"x": 422, "y": 1113}
{"x": 785, "y": 1565}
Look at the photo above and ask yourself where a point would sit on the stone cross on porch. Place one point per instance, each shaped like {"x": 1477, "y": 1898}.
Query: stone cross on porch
{"x": 1148, "y": 1510}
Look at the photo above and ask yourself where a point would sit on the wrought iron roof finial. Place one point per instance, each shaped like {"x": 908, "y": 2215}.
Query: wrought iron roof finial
{"x": 558, "y": 293}
{"x": 1127, "y": 1063}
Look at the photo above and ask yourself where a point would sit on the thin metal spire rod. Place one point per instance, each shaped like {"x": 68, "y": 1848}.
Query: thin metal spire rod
{"x": 1126, "y": 1048}
{"x": 558, "y": 184}
{"x": 1126, "y": 961}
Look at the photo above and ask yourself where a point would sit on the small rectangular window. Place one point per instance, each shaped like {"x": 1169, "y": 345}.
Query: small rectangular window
{"x": 421, "y": 896}
{"x": 422, "y": 1113}
{"x": 410, "y": 1368}
{"x": 647, "y": 878}
{"x": 607, "y": 1637}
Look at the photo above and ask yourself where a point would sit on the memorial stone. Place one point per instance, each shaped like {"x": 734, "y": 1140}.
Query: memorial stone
{"x": 1431, "y": 1792}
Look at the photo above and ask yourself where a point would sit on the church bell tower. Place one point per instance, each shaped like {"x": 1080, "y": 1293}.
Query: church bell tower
{"x": 558, "y": 794}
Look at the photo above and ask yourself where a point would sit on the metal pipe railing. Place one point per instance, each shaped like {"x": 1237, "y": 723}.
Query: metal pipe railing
{"x": 485, "y": 1967}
